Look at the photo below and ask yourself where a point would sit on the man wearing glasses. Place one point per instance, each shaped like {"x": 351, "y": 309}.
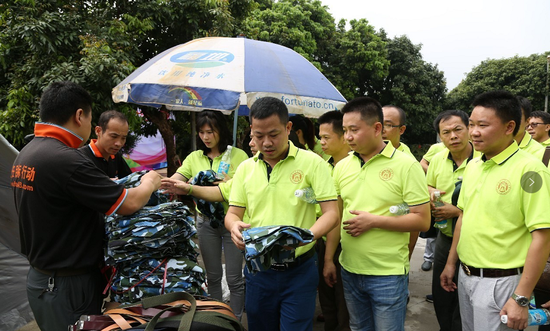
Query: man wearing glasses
{"x": 525, "y": 141}
{"x": 394, "y": 127}
{"x": 539, "y": 127}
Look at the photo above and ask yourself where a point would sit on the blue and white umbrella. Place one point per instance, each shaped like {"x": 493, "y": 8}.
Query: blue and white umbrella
{"x": 227, "y": 73}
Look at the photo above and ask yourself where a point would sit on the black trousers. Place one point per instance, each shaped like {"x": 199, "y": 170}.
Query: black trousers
{"x": 446, "y": 305}
{"x": 72, "y": 297}
{"x": 331, "y": 299}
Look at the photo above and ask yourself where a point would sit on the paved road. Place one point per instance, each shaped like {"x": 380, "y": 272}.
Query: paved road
{"x": 420, "y": 314}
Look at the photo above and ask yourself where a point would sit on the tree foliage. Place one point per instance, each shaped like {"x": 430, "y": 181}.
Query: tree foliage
{"x": 414, "y": 85}
{"x": 96, "y": 44}
{"x": 525, "y": 76}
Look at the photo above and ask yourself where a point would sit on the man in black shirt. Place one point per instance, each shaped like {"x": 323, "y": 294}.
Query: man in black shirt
{"x": 61, "y": 198}
{"x": 111, "y": 132}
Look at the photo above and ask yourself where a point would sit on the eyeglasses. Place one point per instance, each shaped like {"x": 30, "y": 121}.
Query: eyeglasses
{"x": 534, "y": 125}
{"x": 389, "y": 126}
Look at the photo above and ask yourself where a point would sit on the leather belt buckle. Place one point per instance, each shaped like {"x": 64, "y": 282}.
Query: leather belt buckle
{"x": 466, "y": 269}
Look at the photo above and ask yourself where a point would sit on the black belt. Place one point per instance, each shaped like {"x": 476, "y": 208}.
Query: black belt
{"x": 65, "y": 272}
{"x": 298, "y": 261}
{"x": 491, "y": 273}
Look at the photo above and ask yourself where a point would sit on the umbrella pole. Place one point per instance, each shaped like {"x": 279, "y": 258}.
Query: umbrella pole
{"x": 193, "y": 131}
{"x": 235, "y": 121}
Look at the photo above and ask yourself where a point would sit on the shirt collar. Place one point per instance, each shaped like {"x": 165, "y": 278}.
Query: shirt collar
{"x": 291, "y": 151}
{"x": 95, "y": 149}
{"x": 505, "y": 154}
{"x": 387, "y": 151}
{"x": 526, "y": 140}
{"x": 58, "y": 132}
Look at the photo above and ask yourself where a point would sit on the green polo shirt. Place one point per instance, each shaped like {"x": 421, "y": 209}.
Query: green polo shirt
{"x": 268, "y": 193}
{"x": 443, "y": 174}
{"x": 197, "y": 161}
{"x": 434, "y": 149}
{"x": 405, "y": 149}
{"x": 531, "y": 146}
{"x": 545, "y": 143}
{"x": 498, "y": 214}
{"x": 388, "y": 178}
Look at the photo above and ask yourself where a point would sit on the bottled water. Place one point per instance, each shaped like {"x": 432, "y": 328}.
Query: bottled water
{"x": 439, "y": 223}
{"x": 536, "y": 317}
{"x": 306, "y": 194}
{"x": 400, "y": 209}
{"x": 224, "y": 163}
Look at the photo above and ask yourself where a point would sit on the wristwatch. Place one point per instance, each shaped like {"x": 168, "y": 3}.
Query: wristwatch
{"x": 520, "y": 300}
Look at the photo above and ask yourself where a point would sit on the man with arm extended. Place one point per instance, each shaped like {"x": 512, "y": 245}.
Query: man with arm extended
{"x": 283, "y": 297}
{"x": 503, "y": 235}
{"x": 111, "y": 132}
{"x": 61, "y": 198}
{"x": 375, "y": 255}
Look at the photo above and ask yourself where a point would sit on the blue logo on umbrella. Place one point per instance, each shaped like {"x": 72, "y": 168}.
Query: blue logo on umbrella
{"x": 202, "y": 59}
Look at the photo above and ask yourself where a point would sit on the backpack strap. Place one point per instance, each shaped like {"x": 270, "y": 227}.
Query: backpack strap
{"x": 546, "y": 156}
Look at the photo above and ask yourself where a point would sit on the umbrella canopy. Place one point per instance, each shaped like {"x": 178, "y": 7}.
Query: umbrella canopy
{"x": 227, "y": 73}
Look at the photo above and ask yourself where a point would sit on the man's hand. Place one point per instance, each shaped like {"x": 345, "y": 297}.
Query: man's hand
{"x": 329, "y": 273}
{"x": 154, "y": 177}
{"x": 445, "y": 212}
{"x": 517, "y": 315}
{"x": 359, "y": 224}
{"x": 446, "y": 278}
{"x": 236, "y": 234}
{"x": 174, "y": 186}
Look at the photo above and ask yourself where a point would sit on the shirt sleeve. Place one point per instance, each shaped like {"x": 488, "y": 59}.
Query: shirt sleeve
{"x": 415, "y": 189}
{"x": 186, "y": 168}
{"x": 92, "y": 188}
{"x": 322, "y": 184}
{"x": 237, "y": 197}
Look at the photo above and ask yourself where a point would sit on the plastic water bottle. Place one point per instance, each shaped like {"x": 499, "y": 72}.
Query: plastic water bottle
{"x": 439, "y": 223}
{"x": 536, "y": 317}
{"x": 306, "y": 194}
{"x": 224, "y": 163}
{"x": 400, "y": 209}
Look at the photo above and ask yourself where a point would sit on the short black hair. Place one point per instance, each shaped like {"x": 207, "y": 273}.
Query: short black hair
{"x": 526, "y": 107}
{"x": 61, "y": 100}
{"x": 504, "y": 103}
{"x": 445, "y": 115}
{"x": 333, "y": 118}
{"x": 369, "y": 108}
{"x": 268, "y": 106}
{"x": 107, "y": 116}
{"x": 544, "y": 116}
{"x": 216, "y": 120}
{"x": 402, "y": 115}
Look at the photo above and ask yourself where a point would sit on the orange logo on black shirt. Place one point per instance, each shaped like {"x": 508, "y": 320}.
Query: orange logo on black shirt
{"x": 21, "y": 173}
{"x": 297, "y": 176}
{"x": 503, "y": 186}
{"x": 386, "y": 174}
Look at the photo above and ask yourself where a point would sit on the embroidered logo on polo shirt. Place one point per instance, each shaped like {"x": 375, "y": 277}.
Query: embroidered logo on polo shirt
{"x": 386, "y": 174}
{"x": 296, "y": 176}
{"x": 503, "y": 186}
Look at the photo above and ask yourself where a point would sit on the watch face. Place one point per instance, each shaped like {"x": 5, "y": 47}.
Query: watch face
{"x": 522, "y": 301}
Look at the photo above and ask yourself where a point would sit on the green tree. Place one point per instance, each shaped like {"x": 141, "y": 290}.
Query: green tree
{"x": 525, "y": 76}
{"x": 96, "y": 44}
{"x": 414, "y": 85}
{"x": 350, "y": 59}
